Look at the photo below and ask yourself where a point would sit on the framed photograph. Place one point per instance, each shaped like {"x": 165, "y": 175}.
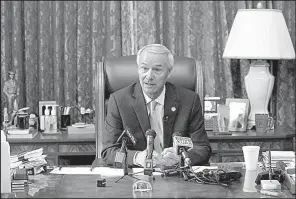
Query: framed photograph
{"x": 210, "y": 104}
{"x": 238, "y": 113}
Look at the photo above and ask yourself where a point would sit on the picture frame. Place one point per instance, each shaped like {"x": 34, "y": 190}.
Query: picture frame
{"x": 238, "y": 113}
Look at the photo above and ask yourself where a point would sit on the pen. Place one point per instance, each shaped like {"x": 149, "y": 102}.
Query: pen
{"x": 60, "y": 168}
{"x": 269, "y": 165}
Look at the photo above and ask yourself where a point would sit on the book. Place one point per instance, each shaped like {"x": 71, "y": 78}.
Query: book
{"x": 20, "y": 182}
{"x": 32, "y": 134}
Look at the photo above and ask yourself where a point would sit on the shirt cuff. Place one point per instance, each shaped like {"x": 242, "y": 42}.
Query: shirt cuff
{"x": 134, "y": 159}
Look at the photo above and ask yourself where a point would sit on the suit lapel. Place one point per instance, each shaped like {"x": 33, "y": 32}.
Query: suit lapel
{"x": 171, "y": 105}
{"x": 140, "y": 108}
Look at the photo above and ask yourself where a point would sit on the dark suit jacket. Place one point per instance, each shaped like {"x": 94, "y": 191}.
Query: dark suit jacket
{"x": 127, "y": 108}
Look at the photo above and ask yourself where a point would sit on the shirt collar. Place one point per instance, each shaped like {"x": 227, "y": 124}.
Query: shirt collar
{"x": 159, "y": 99}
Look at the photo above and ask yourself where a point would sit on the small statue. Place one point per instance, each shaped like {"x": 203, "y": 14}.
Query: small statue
{"x": 11, "y": 90}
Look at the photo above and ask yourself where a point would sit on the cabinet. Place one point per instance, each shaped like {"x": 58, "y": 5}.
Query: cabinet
{"x": 225, "y": 148}
{"x": 228, "y": 148}
{"x": 59, "y": 148}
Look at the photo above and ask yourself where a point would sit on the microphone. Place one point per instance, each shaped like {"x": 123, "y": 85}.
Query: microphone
{"x": 131, "y": 139}
{"x": 126, "y": 138}
{"x": 181, "y": 145}
{"x": 150, "y": 135}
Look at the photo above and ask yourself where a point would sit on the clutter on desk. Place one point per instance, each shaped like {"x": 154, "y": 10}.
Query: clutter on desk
{"x": 101, "y": 182}
{"x": 142, "y": 186}
{"x": 20, "y": 180}
{"x": 289, "y": 175}
{"x": 288, "y": 157}
{"x": 24, "y": 125}
{"x": 51, "y": 120}
{"x": 22, "y": 134}
{"x": 33, "y": 161}
{"x": 48, "y": 112}
{"x": 103, "y": 171}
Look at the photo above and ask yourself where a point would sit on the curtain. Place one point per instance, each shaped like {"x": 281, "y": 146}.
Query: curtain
{"x": 54, "y": 46}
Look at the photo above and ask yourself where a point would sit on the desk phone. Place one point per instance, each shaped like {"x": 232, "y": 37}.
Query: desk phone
{"x": 210, "y": 113}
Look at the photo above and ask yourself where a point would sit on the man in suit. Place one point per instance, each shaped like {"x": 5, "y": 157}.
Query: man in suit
{"x": 153, "y": 103}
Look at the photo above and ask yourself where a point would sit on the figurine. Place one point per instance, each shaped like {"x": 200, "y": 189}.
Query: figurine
{"x": 11, "y": 90}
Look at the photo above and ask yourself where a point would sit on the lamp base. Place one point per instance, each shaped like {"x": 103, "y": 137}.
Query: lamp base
{"x": 259, "y": 84}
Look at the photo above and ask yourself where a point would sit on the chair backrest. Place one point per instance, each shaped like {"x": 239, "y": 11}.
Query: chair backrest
{"x": 117, "y": 73}
{"x": 122, "y": 71}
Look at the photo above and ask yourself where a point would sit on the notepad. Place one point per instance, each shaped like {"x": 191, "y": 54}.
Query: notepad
{"x": 104, "y": 171}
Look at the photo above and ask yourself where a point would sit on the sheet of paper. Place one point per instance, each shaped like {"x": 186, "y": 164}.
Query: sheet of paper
{"x": 140, "y": 171}
{"x": 104, "y": 171}
{"x": 201, "y": 168}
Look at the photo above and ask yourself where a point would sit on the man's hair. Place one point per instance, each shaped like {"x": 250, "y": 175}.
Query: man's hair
{"x": 157, "y": 49}
{"x": 11, "y": 72}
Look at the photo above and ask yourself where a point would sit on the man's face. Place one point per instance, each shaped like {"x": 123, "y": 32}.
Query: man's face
{"x": 11, "y": 76}
{"x": 153, "y": 71}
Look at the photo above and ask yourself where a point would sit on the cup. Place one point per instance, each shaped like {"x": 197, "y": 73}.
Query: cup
{"x": 65, "y": 121}
{"x": 263, "y": 122}
{"x": 249, "y": 183}
{"x": 251, "y": 154}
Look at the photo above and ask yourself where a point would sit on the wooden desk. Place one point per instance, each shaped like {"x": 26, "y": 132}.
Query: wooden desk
{"x": 84, "y": 186}
{"x": 226, "y": 148}
{"x": 57, "y": 146}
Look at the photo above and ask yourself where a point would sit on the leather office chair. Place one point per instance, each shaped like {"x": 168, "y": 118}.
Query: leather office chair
{"x": 117, "y": 73}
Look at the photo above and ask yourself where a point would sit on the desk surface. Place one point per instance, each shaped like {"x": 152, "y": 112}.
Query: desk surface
{"x": 84, "y": 186}
{"x": 64, "y": 137}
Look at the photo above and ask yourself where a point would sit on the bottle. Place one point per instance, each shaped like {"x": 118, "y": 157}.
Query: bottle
{"x": 46, "y": 121}
{"x": 5, "y": 165}
{"x": 53, "y": 119}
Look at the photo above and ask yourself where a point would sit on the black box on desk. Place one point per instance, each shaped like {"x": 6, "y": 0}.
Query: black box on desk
{"x": 34, "y": 170}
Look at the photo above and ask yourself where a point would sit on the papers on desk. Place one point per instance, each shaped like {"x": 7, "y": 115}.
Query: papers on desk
{"x": 288, "y": 157}
{"x": 28, "y": 160}
{"x": 201, "y": 168}
{"x": 104, "y": 171}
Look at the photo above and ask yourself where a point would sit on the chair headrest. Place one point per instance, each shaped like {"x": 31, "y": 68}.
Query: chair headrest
{"x": 122, "y": 71}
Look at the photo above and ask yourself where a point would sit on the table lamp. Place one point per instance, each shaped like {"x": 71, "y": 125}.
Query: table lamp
{"x": 259, "y": 34}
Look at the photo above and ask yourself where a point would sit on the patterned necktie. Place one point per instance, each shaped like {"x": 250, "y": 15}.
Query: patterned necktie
{"x": 156, "y": 126}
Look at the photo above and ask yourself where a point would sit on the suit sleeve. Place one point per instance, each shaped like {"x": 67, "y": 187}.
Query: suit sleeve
{"x": 201, "y": 151}
{"x": 113, "y": 129}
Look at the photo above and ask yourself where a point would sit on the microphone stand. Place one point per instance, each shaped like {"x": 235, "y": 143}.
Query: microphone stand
{"x": 125, "y": 165}
{"x": 181, "y": 170}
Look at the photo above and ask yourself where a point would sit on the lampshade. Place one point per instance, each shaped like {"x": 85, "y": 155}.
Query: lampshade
{"x": 259, "y": 34}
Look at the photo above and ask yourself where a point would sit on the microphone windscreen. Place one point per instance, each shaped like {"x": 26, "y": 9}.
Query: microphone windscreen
{"x": 177, "y": 134}
{"x": 151, "y": 132}
{"x": 132, "y": 139}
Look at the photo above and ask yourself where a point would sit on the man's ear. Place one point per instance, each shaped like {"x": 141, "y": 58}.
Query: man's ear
{"x": 170, "y": 71}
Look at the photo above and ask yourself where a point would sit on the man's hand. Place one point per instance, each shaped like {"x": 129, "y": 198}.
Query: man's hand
{"x": 169, "y": 157}
{"x": 140, "y": 158}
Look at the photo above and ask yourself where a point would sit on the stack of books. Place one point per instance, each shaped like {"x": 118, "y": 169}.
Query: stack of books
{"x": 288, "y": 157}
{"x": 19, "y": 185}
{"x": 16, "y": 133}
{"x": 33, "y": 161}
{"x": 20, "y": 180}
